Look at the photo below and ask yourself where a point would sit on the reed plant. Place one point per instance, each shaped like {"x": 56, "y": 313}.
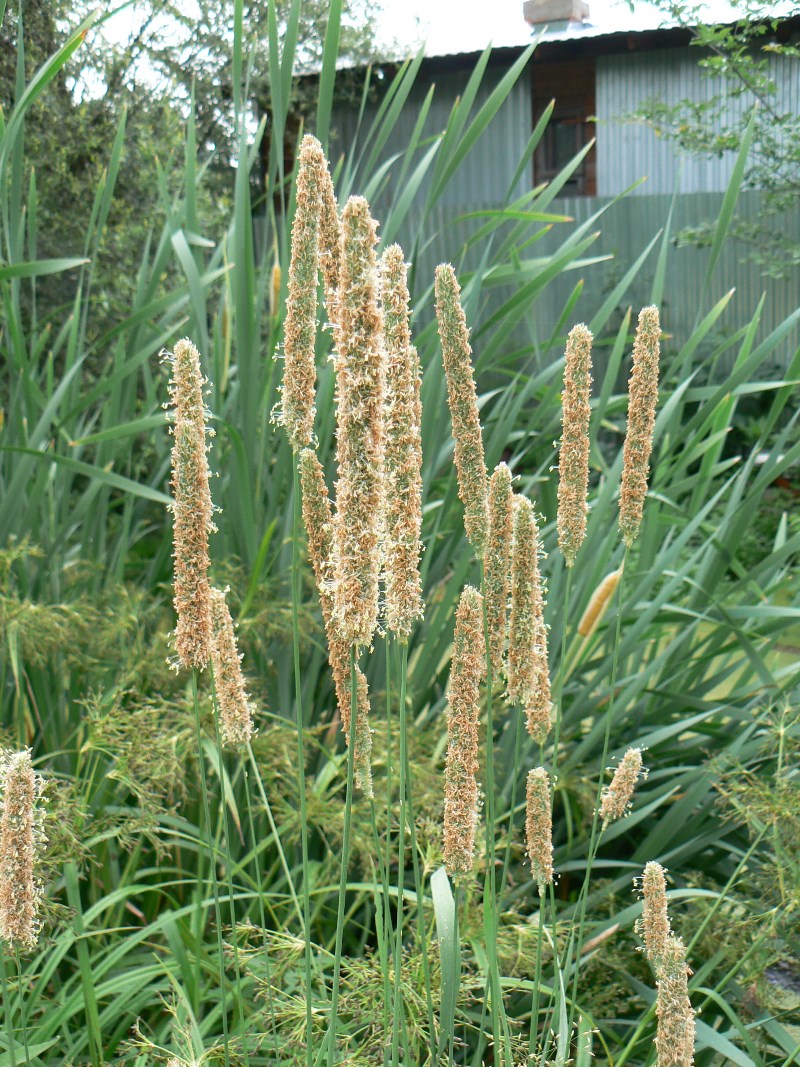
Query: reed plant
{"x": 290, "y": 919}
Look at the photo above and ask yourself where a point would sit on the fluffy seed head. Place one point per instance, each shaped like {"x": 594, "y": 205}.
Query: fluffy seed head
{"x": 330, "y": 246}
{"x": 655, "y": 927}
{"x": 528, "y": 671}
{"x": 20, "y": 840}
{"x": 460, "y": 782}
{"x": 675, "y": 1028}
{"x": 573, "y": 463}
{"x": 598, "y": 604}
{"x": 642, "y": 400}
{"x": 360, "y": 387}
{"x": 300, "y": 329}
{"x": 539, "y": 827}
{"x": 463, "y": 402}
{"x": 319, "y": 523}
{"x": 403, "y": 415}
{"x": 191, "y": 507}
{"x": 235, "y": 709}
{"x": 498, "y": 563}
{"x": 617, "y": 796}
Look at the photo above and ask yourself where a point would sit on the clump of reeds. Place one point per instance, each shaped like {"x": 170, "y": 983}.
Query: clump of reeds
{"x": 235, "y": 708}
{"x": 191, "y": 507}
{"x": 300, "y": 329}
{"x": 642, "y": 400}
{"x": 463, "y": 713}
{"x": 573, "y": 461}
{"x": 21, "y": 838}
{"x": 403, "y": 456}
{"x": 497, "y": 579}
{"x": 617, "y": 796}
{"x": 463, "y": 403}
{"x": 539, "y": 828}
{"x": 598, "y": 604}
{"x": 319, "y": 523}
{"x": 528, "y": 669}
{"x": 360, "y": 387}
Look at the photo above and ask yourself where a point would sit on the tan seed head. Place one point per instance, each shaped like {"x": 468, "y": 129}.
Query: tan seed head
{"x": 235, "y": 708}
{"x": 675, "y": 1028}
{"x": 617, "y": 796}
{"x": 20, "y": 840}
{"x": 539, "y": 828}
{"x": 573, "y": 463}
{"x": 642, "y": 400}
{"x": 497, "y": 580}
{"x": 655, "y": 927}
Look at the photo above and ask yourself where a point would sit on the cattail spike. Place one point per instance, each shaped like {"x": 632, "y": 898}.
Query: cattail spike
{"x": 498, "y": 564}
{"x": 360, "y": 387}
{"x": 21, "y": 839}
{"x": 573, "y": 463}
{"x": 460, "y": 783}
{"x": 598, "y": 604}
{"x": 191, "y": 507}
{"x": 403, "y": 416}
{"x": 617, "y": 796}
{"x": 642, "y": 400}
{"x": 539, "y": 828}
{"x": 463, "y": 403}
{"x": 235, "y": 709}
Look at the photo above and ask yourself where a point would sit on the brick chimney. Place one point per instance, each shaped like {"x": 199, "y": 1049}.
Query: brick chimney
{"x": 555, "y": 13}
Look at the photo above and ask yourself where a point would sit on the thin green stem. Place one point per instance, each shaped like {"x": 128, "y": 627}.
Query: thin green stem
{"x": 401, "y": 870}
{"x": 23, "y": 1020}
{"x": 261, "y": 913}
{"x": 12, "y": 1041}
{"x": 537, "y": 981}
{"x": 301, "y": 758}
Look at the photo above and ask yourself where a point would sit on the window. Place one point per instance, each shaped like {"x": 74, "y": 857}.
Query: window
{"x": 571, "y": 85}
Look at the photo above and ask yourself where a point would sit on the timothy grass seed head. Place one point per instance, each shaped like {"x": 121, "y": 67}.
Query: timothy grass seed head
{"x": 235, "y": 708}
{"x": 497, "y": 564}
{"x": 21, "y": 839}
{"x": 675, "y": 1027}
{"x": 573, "y": 461}
{"x": 655, "y": 928}
{"x": 642, "y": 400}
{"x": 617, "y": 796}
{"x": 539, "y": 827}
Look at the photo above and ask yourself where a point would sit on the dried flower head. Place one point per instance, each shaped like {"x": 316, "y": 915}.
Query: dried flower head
{"x": 300, "y": 329}
{"x": 617, "y": 796}
{"x": 463, "y": 402}
{"x": 460, "y": 782}
{"x": 598, "y": 604}
{"x": 360, "y": 385}
{"x": 528, "y": 670}
{"x": 497, "y": 579}
{"x": 403, "y": 416}
{"x": 21, "y": 839}
{"x": 655, "y": 927}
{"x": 675, "y": 1028}
{"x": 573, "y": 463}
{"x": 642, "y": 400}
{"x": 274, "y": 289}
{"x": 539, "y": 827}
{"x": 319, "y": 523}
{"x": 191, "y": 507}
{"x": 235, "y": 709}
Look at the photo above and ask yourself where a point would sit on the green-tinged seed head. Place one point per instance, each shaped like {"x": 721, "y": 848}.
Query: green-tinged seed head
{"x": 642, "y": 400}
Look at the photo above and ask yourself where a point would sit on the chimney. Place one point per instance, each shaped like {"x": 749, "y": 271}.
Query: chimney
{"x": 557, "y": 14}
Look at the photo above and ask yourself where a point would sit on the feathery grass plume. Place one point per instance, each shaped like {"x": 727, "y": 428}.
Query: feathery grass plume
{"x": 528, "y": 670}
{"x": 598, "y": 604}
{"x": 21, "y": 838}
{"x": 539, "y": 827}
{"x": 191, "y": 507}
{"x": 330, "y": 246}
{"x": 300, "y": 330}
{"x": 319, "y": 523}
{"x": 497, "y": 579}
{"x": 675, "y": 1027}
{"x": 463, "y": 402}
{"x": 403, "y": 415}
{"x": 654, "y": 926}
{"x": 235, "y": 709}
{"x": 642, "y": 400}
{"x": 460, "y": 781}
{"x": 360, "y": 385}
{"x": 617, "y": 796}
{"x": 573, "y": 461}
{"x": 274, "y": 289}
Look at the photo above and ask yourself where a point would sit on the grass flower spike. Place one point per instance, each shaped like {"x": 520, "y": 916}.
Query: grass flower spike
{"x": 655, "y": 927}
{"x": 573, "y": 462}
{"x": 463, "y": 403}
{"x": 528, "y": 671}
{"x": 616, "y": 798}
{"x": 319, "y": 523}
{"x": 642, "y": 400}
{"x": 403, "y": 415}
{"x": 498, "y": 563}
{"x": 300, "y": 330}
{"x": 20, "y": 840}
{"x": 191, "y": 508}
{"x": 360, "y": 386}
{"x": 460, "y": 783}
{"x": 539, "y": 828}
{"x": 235, "y": 709}
{"x": 675, "y": 1029}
